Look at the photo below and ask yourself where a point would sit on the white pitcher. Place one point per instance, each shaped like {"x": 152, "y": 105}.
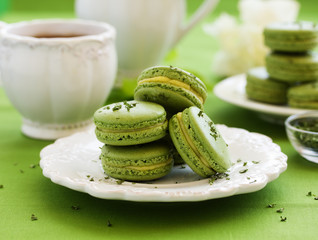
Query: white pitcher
{"x": 146, "y": 29}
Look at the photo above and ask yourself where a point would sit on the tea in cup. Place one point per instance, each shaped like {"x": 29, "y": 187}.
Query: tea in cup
{"x": 56, "y": 73}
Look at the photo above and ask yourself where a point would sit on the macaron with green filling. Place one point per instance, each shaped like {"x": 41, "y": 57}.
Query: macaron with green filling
{"x": 171, "y": 87}
{"x": 291, "y": 36}
{"x": 130, "y": 123}
{"x": 303, "y": 96}
{"x": 293, "y": 67}
{"x": 139, "y": 162}
{"x": 261, "y": 87}
{"x": 199, "y": 143}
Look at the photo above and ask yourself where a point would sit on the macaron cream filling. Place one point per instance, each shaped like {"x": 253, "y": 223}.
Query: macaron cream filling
{"x": 177, "y": 83}
{"x": 189, "y": 141}
{"x": 146, "y": 168}
{"x": 158, "y": 125}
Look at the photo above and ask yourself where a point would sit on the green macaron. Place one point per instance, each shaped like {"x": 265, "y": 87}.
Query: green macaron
{"x": 291, "y": 36}
{"x": 198, "y": 142}
{"x": 293, "y": 67}
{"x": 261, "y": 87}
{"x": 304, "y": 96}
{"x": 139, "y": 162}
{"x": 171, "y": 87}
{"x": 130, "y": 123}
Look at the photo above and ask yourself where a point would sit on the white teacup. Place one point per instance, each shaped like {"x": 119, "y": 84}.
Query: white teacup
{"x": 146, "y": 29}
{"x": 57, "y": 73}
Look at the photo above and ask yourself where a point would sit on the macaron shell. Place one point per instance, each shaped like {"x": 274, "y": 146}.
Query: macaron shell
{"x": 130, "y": 123}
{"x": 261, "y": 87}
{"x": 176, "y": 74}
{"x": 174, "y": 99}
{"x": 293, "y": 67}
{"x": 137, "y": 163}
{"x": 185, "y": 151}
{"x": 291, "y": 36}
{"x": 207, "y": 139}
{"x": 304, "y": 96}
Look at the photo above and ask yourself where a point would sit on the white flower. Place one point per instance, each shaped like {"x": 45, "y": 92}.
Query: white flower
{"x": 241, "y": 45}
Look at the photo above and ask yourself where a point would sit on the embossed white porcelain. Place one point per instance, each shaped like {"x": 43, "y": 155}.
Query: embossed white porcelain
{"x": 57, "y": 73}
{"x": 147, "y": 29}
{"x": 73, "y": 162}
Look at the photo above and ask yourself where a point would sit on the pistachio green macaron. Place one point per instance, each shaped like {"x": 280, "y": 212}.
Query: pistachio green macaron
{"x": 293, "y": 67}
{"x": 291, "y": 36}
{"x": 304, "y": 96}
{"x": 261, "y": 87}
{"x": 199, "y": 142}
{"x": 139, "y": 162}
{"x": 130, "y": 123}
{"x": 171, "y": 87}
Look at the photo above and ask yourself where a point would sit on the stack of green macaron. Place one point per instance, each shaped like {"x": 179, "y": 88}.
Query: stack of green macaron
{"x": 291, "y": 62}
{"x": 142, "y": 143}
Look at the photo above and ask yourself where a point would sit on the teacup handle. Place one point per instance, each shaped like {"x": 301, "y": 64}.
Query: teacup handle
{"x": 206, "y": 7}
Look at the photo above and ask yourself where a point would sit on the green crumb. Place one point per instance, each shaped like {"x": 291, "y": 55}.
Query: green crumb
{"x": 75, "y": 207}
{"x": 239, "y": 160}
{"x": 119, "y": 182}
{"x": 32, "y": 166}
{"x": 244, "y": 164}
{"x": 91, "y": 179}
{"x": 283, "y": 219}
{"x": 116, "y": 108}
{"x": 200, "y": 114}
{"x": 21, "y": 171}
{"x": 129, "y": 106}
{"x": 281, "y": 210}
{"x": 109, "y": 224}
{"x": 107, "y": 107}
{"x": 255, "y": 162}
{"x": 315, "y": 198}
{"x": 106, "y": 178}
{"x": 1, "y": 186}
{"x": 33, "y": 217}
{"x": 309, "y": 194}
{"x": 243, "y": 171}
{"x": 218, "y": 176}
{"x": 271, "y": 205}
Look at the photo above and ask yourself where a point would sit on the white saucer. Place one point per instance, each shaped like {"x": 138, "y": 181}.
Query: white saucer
{"x": 232, "y": 90}
{"x": 73, "y": 162}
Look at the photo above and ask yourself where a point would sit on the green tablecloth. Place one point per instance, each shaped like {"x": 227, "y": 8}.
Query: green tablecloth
{"x": 25, "y": 191}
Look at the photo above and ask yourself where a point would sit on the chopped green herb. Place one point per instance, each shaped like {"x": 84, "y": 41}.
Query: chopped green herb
{"x": 248, "y": 178}
{"x": 243, "y": 171}
{"x": 116, "y": 108}
{"x": 244, "y": 164}
{"x": 32, "y": 166}
{"x": 239, "y": 160}
{"x": 227, "y": 178}
{"x": 119, "y": 181}
{"x": 91, "y": 179}
{"x": 1, "y": 186}
{"x": 255, "y": 162}
{"x": 217, "y": 176}
{"x": 75, "y": 207}
{"x": 253, "y": 181}
{"x": 33, "y": 217}
{"x": 106, "y": 178}
{"x": 200, "y": 114}
{"x": 129, "y": 106}
{"x": 182, "y": 167}
{"x": 283, "y": 219}
{"x": 21, "y": 171}
{"x": 107, "y": 107}
{"x": 316, "y": 198}
{"x": 271, "y": 205}
{"x": 109, "y": 224}
{"x": 281, "y": 210}
{"x": 88, "y": 176}
{"x": 309, "y": 194}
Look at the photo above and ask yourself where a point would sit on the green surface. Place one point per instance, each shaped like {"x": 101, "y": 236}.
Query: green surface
{"x": 25, "y": 191}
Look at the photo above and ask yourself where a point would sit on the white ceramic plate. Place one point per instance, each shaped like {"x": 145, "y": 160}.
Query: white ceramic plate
{"x": 73, "y": 162}
{"x": 232, "y": 90}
